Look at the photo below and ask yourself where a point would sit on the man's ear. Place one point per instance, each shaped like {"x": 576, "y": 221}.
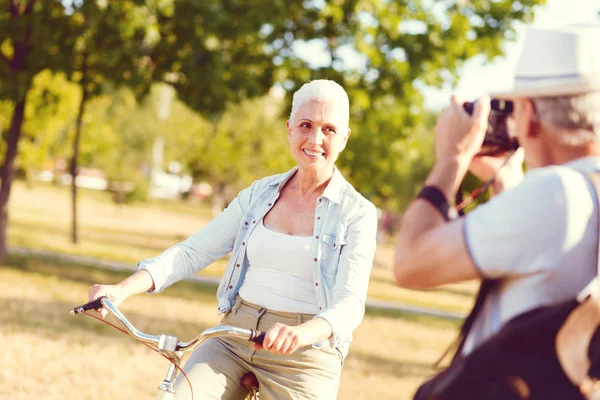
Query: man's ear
{"x": 528, "y": 111}
{"x": 289, "y": 129}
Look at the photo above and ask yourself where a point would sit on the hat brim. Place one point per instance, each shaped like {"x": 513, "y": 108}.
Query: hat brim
{"x": 540, "y": 89}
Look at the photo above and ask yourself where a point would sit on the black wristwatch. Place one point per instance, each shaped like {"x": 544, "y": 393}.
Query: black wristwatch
{"x": 437, "y": 199}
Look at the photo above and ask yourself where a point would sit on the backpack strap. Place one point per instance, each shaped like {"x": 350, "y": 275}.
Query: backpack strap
{"x": 593, "y": 288}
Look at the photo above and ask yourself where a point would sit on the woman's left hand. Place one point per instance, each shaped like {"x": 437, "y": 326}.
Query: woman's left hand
{"x": 282, "y": 339}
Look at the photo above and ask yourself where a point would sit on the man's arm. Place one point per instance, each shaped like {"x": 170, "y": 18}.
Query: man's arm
{"x": 426, "y": 240}
{"x": 429, "y": 251}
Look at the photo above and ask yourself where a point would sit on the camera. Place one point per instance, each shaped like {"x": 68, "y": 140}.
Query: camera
{"x": 497, "y": 139}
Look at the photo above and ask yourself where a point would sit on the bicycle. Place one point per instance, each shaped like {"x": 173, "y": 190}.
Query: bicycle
{"x": 171, "y": 348}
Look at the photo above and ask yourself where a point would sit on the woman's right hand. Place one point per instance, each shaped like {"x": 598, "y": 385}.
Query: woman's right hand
{"x": 140, "y": 281}
{"x": 115, "y": 293}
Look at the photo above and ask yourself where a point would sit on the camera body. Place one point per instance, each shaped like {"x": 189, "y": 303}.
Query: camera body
{"x": 497, "y": 138}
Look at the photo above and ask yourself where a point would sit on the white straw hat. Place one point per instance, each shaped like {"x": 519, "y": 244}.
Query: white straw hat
{"x": 556, "y": 62}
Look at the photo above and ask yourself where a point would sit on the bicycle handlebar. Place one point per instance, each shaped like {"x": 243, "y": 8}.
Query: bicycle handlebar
{"x": 165, "y": 342}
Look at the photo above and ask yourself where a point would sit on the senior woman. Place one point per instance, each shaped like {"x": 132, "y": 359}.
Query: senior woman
{"x": 302, "y": 245}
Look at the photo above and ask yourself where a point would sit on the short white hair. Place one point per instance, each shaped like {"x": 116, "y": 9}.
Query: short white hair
{"x": 321, "y": 90}
{"x": 577, "y": 117}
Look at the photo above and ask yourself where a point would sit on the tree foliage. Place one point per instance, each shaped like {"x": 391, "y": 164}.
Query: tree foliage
{"x": 217, "y": 53}
{"x": 248, "y": 142}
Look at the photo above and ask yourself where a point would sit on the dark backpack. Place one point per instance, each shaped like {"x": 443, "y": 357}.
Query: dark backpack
{"x": 524, "y": 359}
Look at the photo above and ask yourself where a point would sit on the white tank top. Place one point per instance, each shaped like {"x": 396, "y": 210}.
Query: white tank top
{"x": 281, "y": 272}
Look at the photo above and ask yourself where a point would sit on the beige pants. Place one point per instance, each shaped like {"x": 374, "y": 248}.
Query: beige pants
{"x": 216, "y": 367}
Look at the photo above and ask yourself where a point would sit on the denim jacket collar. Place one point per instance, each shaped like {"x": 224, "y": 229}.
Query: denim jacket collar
{"x": 334, "y": 188}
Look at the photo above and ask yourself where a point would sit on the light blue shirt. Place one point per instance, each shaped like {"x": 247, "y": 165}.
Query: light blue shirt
{"x": 540, "y": 237}
{"x": 345, "y": 228}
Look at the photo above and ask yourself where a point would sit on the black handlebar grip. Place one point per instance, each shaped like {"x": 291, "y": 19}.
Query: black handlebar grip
{"x": 257, "y": 337}
{"x": 92, "y": 305}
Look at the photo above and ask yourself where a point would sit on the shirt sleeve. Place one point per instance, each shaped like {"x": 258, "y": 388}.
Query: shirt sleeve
{"x": 352, "y": 280}
{"x": 530, "y": 227}
{"x": 209, "y": 244}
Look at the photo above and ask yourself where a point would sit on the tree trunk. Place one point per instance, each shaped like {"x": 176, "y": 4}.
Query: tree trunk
{"x": 218, "y": 198}
{"x": 7, "y": 171}
{"x": 74, "y": 161}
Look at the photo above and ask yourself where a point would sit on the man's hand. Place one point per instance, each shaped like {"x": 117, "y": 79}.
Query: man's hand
{"x": 507, "y": 175}
{"x": 283, "y": 339}
{"x": 459, "y": 136}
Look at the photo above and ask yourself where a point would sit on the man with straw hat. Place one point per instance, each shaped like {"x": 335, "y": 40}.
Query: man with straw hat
{"x": 537, "y": 238}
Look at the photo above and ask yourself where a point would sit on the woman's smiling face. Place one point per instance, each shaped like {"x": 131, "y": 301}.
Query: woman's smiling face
{"x": 317, "y": 132}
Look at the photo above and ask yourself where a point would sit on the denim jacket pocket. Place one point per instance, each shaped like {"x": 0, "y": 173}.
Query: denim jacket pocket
{"x": 333, "y": 241}
{"x": 331, "y": 255}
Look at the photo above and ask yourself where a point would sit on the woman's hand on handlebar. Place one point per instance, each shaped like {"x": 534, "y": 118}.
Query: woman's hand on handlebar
{"x": 141, "y": 281}
{"x": 286, "y": 339}
{"x": 282, "y": 338}
{"x": 115, "y": 293}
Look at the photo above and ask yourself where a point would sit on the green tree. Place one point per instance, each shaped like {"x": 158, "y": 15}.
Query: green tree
{"x": 213, "y": 52}
{"x": 113, "y": 40}
{"x": 32, "y": 38}
{"x": 218, "y": 52}
{"x": 248, "y": 142}
{"x": 389, "y": 155}
{"x": 123, "y": 131}
{"x": 49, "y": 114}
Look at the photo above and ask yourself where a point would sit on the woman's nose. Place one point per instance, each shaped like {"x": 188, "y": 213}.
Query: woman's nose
{"x": 316, "y": 136}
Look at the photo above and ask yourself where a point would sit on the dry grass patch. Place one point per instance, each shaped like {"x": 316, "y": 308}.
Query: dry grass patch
{"x": 48, "y": 354}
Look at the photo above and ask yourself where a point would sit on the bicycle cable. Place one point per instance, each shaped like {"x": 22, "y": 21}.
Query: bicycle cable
{"x": 127, "y": 333}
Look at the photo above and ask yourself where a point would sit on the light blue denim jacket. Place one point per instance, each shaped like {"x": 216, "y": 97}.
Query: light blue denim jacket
{"x": 345, "y": 229}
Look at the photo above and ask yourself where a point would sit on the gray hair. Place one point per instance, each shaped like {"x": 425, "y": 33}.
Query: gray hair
{"x": 321, "y": 90}
{"x": 577, "y": 117}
